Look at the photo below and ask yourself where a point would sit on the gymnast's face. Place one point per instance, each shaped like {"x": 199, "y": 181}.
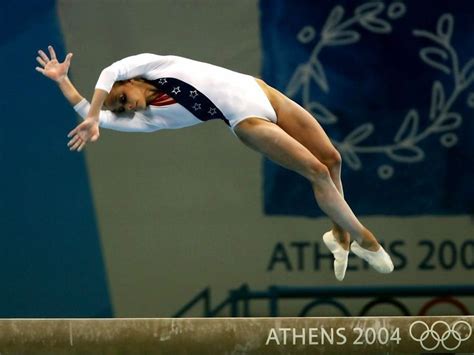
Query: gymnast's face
{"x": 128, "y": 96}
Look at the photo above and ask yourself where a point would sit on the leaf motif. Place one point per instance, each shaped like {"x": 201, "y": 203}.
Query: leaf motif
{"x": 359, "y": 134}
{"x": 369, "y": 9}
{"x": 448, "y": 122}
{"x": 409, "y": 127}
{"x": 306, "y": 34}
{"x": 396, "y": 10}
{"x": 322, "y": 114}
{"x": 351, "y": 158}
{"x": 406, "y": 154}
{"x": 367, "y": 13}
{"x": 297, "y": 80}
{"x": 342, "y": 38}
{"x": 444, "y": 27}
{"x": 437, "y": 99}
{"x": 449, "y": 140}
{"x": 333, "y": 19}
{"x": 429, "y": 56}
{"x": 428, "y": 35}
{"x": 376, "y": 25}
{"x": 316, "y": 71}
{"x": 467, "y": 73}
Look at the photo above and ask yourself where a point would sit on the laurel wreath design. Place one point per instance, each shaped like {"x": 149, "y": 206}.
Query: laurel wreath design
{"x": 440, "y": 55}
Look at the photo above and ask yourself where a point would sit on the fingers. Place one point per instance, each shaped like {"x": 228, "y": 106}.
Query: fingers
{"x": 78, "y": 143}
{"x": 81, "y": 146}
{"x": 52, "y": 53}
{"x": 82, "y": 134}
{"x": 40, "y": 61}
{"x": 73, "y": 141}
{"x": 68, "y": 58}
{"x": 73, "y": 132}
{"x": 43, "y": 56}
{"x": 41, "y": 70}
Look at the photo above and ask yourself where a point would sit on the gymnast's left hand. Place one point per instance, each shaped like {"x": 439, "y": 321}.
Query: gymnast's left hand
{"x": 87, "y": 131}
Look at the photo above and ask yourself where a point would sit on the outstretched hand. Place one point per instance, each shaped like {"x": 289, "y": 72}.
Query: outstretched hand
{"x": 51, "y": 67}
{"x": 87, "y": 131}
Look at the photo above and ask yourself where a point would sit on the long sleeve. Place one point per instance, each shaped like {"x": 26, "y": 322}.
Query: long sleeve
{"x": 135, "y": 66}
{"x": 110, "y": 120}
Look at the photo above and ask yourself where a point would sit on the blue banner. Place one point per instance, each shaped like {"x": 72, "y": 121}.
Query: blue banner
{"x": 51, "y": 263}
{"x": 392, "y": 83}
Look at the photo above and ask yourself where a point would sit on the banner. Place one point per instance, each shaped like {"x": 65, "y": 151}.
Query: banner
{"x": 392, "y": 85}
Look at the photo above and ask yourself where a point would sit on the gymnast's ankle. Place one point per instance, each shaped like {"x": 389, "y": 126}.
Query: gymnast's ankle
{"x": 342, "y": 238}
{"x": 368, "y": 241}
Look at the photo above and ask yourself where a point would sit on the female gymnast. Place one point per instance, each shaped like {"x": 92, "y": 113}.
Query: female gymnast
{"x": 148, "y": 92}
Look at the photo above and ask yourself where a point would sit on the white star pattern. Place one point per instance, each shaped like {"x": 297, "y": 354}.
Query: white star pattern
{"x": 212, "y": 111}
{"x": 176, "y": 90}
{"x": 189, "y": 97}
{"x": 193, "y": 94}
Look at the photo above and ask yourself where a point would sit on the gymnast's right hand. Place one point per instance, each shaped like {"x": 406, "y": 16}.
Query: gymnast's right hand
{"x": 51, "y": 67}
{"x": 87, "y": 131}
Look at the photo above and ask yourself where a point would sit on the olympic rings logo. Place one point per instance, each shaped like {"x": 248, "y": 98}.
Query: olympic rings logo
{"x": 430, "y": 332}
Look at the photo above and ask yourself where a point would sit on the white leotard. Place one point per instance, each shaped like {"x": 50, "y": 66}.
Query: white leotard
{"x": 238, "y": 96}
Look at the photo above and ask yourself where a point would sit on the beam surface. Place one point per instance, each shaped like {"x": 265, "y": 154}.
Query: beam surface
{"x": 237, "y": 335}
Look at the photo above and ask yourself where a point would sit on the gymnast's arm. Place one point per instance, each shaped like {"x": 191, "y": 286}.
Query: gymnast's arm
{"x": 58, "y": 72}
{"x": 124, "y": 122}
{"x": 127, "y": 68}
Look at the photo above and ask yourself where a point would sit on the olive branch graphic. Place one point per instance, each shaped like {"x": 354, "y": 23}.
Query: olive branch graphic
{"x": 440, "y": 55}
{"x": 336, "y": 33}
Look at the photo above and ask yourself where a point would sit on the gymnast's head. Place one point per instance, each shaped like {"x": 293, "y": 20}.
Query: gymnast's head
{"x": 128, "y": 96}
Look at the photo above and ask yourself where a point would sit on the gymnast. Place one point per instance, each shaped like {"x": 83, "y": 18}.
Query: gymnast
{"x": 148, "y": 92}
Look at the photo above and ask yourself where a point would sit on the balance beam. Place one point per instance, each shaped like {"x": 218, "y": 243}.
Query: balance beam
{"x": 237, "y": 335}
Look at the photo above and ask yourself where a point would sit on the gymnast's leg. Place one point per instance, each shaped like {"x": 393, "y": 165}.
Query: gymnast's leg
{"x": 271, "y": 140}
{"x": 299, "y": 124}
{"x": 302, "y": 126}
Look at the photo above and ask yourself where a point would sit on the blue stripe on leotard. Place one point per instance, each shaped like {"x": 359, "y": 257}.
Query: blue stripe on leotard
{"x": 190, "y": 98}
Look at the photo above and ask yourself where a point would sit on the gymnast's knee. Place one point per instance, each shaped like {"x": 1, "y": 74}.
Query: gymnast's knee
{"x": 317, "y": 172}
{"x": 333, "y": 160}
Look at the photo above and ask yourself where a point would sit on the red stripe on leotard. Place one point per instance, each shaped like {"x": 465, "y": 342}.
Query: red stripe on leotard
{"x": 162, "y": 99}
